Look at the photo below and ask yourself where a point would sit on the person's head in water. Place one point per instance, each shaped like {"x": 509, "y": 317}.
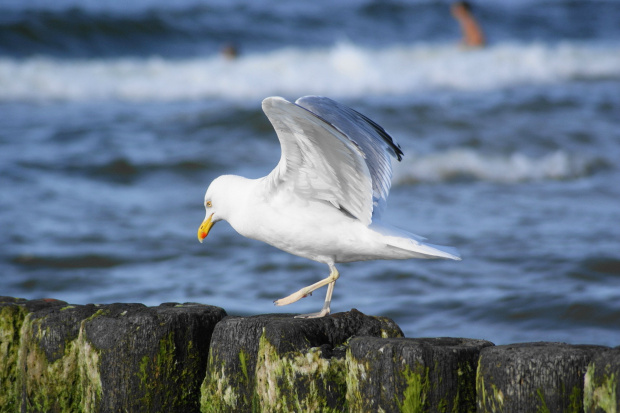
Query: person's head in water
{"x": 465, "y": 5}
{"x": 230, "y": 51}
{"x": 472, "y": 33}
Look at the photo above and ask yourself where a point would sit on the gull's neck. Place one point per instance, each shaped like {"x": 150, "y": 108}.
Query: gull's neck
{"x": 236, "y": 198}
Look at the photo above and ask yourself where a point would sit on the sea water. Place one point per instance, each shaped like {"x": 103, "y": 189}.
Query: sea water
{"x": 115, "y": 117}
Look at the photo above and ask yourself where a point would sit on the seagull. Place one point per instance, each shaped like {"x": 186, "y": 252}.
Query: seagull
{"x": 325, "y": 197}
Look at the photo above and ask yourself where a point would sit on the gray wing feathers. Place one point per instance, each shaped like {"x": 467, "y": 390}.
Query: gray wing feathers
{"x": 374, "y": 142}
{"x": 318, "y": 160}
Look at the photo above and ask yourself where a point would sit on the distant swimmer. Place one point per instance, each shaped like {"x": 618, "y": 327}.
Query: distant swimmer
{"x": 230, "y": 51}
{"x": 472, "y": 33}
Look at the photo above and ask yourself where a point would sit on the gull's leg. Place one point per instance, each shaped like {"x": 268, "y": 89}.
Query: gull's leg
{"x": 330, "y": 281}
{"x": 325, "y": 310}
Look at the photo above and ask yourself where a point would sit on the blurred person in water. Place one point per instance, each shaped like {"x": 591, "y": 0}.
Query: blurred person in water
{"x": 230, "y": 51}
{"x": 472, "y": 33}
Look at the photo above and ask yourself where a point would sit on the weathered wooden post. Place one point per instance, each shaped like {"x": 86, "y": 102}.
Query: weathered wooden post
{"x": 533, "y": 377}
{"x": 151, "y": 358}
{"x": 108, "y": 358}
{"x": 57, "y": 357}
{"x": 413, "y": 375}
{"x": 278, "y": 363}
{"x": 54, "y": 366}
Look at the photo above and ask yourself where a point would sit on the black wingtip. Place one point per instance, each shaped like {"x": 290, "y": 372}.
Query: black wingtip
{"x": 386, "y": 136}
{"x": 394, "y": 147}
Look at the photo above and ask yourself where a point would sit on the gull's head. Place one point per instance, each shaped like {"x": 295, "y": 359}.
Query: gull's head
{"x": 211, "y": 206}
{"x": 220, "y": 202}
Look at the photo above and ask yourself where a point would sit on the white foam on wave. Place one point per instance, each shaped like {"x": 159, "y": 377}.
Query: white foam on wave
{"x": 344, "y": 70}
{"x": 471, "y": 164}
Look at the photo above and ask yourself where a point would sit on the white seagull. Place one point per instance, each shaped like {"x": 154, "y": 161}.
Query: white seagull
{"x": 324, "y": 199}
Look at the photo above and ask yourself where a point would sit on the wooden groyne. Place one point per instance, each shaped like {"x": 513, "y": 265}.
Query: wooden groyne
{"x": 57, "y": 357}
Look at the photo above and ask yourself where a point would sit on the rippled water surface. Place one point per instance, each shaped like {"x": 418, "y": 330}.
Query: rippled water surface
{"x": 114, "y": 121}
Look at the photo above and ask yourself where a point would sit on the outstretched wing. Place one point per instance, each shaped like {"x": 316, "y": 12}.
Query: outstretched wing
{"x": 376, "y": 144}
{"x": 342, "y": 160}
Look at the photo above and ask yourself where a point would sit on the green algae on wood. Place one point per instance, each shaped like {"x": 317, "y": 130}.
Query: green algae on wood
{"x": 253, "y": 359}
{"x": 14, "y": 313}
{"x": 412, "y": 375}
{"x": 153, "y": 358}
{"x": 229, "y": 379}
{"x": 299, "y": 380}
{"x": 11, "y": 320}
{"x": 217, "y": 393}
{"x": 414, "y": 397}
{"x": 602, "y": 395}
{"x": 158, "y": 365}
{"x": 466, "y": 384}
{"x": 165, "y": 383}
{"x": 60, "y": 367}
{"x": 488, "y": 398}
{"x": 118, "y": 357}
{"x": 602, "y": 383}
{"x": 533, "y": 377}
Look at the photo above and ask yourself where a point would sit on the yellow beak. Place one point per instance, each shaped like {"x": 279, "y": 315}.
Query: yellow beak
{"x": 205, "y": 227}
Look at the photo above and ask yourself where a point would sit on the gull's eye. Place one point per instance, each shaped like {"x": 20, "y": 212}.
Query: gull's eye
{"x": 209, "y": 204}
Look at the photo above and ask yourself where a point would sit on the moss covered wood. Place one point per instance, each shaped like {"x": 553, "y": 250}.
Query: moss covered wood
{"x": 412, "y": 375}
{"x": 13, "y": 314}
{"x": 533, "y": 377}
{"x": 152, "y": 358}
{"x": 58, "y": 367}
{"x": 99, "y": 358}
{"x": 57, "y": 357}
{"x": 602, "y": 383}
{"x": 283, "y": 364}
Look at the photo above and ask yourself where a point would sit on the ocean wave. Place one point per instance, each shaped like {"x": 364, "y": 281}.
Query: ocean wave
{"x": 87, "y": 33}
{"x": 459, "y": 164}
{"x": 344, "y": 70}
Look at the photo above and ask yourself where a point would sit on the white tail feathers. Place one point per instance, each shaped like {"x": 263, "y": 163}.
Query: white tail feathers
{"x": 415, "y": 244}
{"x": 424, "y": 250}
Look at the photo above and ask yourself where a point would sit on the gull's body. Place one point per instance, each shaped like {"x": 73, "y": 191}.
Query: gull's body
{"x": 324, "y": 199}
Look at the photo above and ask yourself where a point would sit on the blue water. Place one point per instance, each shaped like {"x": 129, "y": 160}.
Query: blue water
{"x": 114, "y": 118}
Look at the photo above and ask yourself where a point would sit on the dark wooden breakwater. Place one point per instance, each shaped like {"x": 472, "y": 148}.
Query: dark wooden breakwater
{"x": 57, "y": 357}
